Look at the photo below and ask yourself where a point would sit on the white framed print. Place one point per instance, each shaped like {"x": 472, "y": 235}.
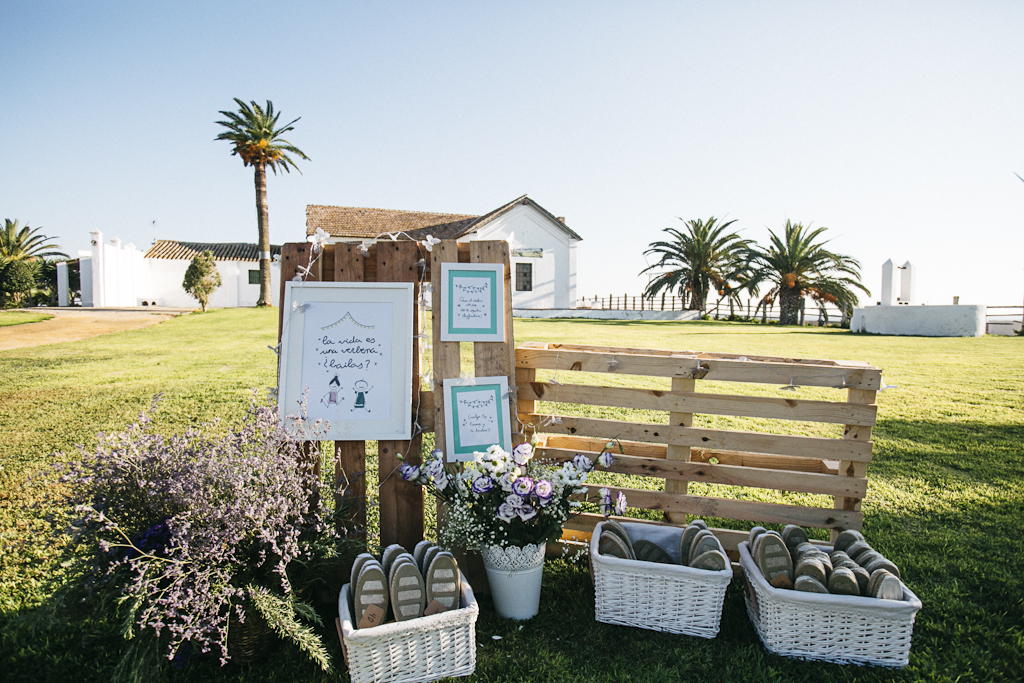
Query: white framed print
{"x": 476, "y": 416}
{"x": 347, "y": 348}
{"x": 473, "y": 302}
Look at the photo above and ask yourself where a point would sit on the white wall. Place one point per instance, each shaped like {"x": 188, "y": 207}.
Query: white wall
{"x": 166, "y": 276}
{"x": 554, "y": 275}
{"x": 920, "y": 321}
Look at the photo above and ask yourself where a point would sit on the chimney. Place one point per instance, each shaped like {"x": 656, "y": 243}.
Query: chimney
{"x": 561, "y": 219}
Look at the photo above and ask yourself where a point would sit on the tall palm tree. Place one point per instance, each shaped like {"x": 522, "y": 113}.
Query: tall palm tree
{"x": 24, "y": 244}
{"x": 797, "y": 265}
{"x": 256, "y": 138}
{"x": 702, "y": 257}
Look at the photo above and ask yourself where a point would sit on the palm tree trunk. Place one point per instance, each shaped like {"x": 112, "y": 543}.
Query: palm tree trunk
{"x": 698, "y": 296}
{"x": 789, "y": 305}
{"x": 263, "y": 223}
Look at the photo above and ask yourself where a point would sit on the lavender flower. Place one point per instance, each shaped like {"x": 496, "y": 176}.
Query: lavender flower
{"x": 505, "y": 481}
{"x": 582, "y": 463}
{"x": 441, "y": 480}
{"x": 409, "y": 472}
{"x": 606, "y": 459}
{"x": 543, "y": 491}
{"x": 620, "y": 504}
{"x": 523, "y": 486}
{"x": 515, "y": 500}
{"x": 433, "y": 467}
{"x": 482, "y": 484}
{"x": 505, "y": 513}
{"x": 526, "y": 513}
{"x": 522, "y": 454}
{"x": 606, "y": 502}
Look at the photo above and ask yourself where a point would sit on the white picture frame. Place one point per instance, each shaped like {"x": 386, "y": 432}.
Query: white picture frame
{"x": 347, "y": 347}
{"x": 476, "y": 416}
{"x": 473, "y": 302}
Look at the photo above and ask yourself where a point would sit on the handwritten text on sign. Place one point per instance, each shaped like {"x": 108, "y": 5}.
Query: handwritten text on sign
{"x": 346, "y": 361}
{"x": 478, "y": 418}
{"x": 471, "y": 303}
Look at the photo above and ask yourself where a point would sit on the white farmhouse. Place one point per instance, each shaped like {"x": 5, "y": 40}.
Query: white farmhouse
{"x": 544, "y": 249}
{"x": 120, "y": 275}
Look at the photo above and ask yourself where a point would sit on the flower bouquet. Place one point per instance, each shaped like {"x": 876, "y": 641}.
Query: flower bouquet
{"x": 509, "y": 507}
{"x": 198, "y": 540}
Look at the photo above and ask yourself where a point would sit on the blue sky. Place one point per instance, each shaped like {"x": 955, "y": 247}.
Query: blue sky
{"x": 899, "y": 128}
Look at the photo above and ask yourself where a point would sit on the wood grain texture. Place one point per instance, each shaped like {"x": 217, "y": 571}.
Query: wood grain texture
{"x": 401, "y": 502}
{"x": 689, "y": 402}
{"x": 849, "y": 468}
{"x": 348, "y": 263}
{"x": 675, "y": 453}
{"x": 497, "y": 359}
{"x": 750, "y": 442}
{"x": 350, "y": 473}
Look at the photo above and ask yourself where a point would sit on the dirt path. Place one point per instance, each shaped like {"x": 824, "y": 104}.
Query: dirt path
{"x": 72, "y": 324}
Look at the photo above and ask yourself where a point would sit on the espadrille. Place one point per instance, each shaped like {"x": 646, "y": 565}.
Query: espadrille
{"x": 613, "y": 527}
{"x": 809, "y": 584}
{"x": 443, "y": 583}
{"x": 755, "y": 532}
{"x": 699, "y": 523}
{"x": 774, "y": 561}
{"x": 846, "y": 539}
{"x": 686, "y": 542}
{"x": 889, "y": 588}
{"x": 419, "y": 551}
{"x": 389, "y": 555}
{"x": 705, "y": 544}
{"x": 856, "y": 549}
{"x": 712, "y": 560}
{"x": 792, "y": 536}
{"x": 811, "y": 566}
{"x": 882, "y": 563}
{"x": 862, "y": 577}
{"x": 357, "y": 566}
{"x": 611, "y": 544}
{"x": 428, "y": 555}
{"x": 843, "y": 582}
{"x": 408, "y": 594}
{"x": 647, "y": 551}
{"x": 371, "y": 588}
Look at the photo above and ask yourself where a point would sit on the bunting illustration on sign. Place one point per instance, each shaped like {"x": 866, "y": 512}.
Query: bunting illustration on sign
{"x": 476, "y": 416}
{"x": 347, "y": 347}
{"x": 472, "y": 302}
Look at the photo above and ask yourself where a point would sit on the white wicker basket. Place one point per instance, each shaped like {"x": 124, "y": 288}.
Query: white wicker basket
{"x": 845, "y": 629}
{"x": 659, "y": 597}
{"x": 423, "y": 649}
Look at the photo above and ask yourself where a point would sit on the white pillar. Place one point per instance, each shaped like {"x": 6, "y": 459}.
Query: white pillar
{"x": 62, "y": 283}
{"x": 98, "y": 289}
{"x": 907, "y": 284}
{"x": 888, "y": 294}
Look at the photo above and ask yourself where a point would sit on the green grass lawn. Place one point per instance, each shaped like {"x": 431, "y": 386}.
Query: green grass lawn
{"x": 945, "y": 501}
{"x": 9, "y": 318}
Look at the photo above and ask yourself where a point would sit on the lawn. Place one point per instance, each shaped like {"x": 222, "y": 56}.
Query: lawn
{"x": 9, "y": 318}
{"x": 945, "y": 501}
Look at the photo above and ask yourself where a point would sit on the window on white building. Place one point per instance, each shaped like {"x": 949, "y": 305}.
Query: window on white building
{"x": 254, "y": 277}
{"x": 524, "y": 277}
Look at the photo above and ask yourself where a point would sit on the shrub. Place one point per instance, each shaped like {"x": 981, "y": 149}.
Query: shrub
{"x": 16, "y": 282}
{"x": 201, "y": 278}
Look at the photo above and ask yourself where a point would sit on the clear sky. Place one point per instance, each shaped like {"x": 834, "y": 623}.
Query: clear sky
{"x": 899, "y": 126}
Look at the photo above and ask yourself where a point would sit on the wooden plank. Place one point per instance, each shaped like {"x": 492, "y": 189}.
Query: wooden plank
{"x": 675, "y": 453}
{"x": 676, "y": 471}
{"x": 561, "y": 357}
{"x": 348, "y": 263}
{"x": 751, "y": 442}
{"x": 293, "y": 255}
{"x": 350, "y": 472}
{"x": 497, "y": 359}
{"x": 447, "y": 355}
{"x": 747, "y": 510}
{"x": 586, "y": 443}
{"x": 849, "y": 468}
{"x": 689, "y": 402}
{"x": 401, "y": 502}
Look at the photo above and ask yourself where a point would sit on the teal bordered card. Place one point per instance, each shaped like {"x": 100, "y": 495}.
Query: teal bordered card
{"x": 473, "y": 302}
{"x": 476, "y": 416}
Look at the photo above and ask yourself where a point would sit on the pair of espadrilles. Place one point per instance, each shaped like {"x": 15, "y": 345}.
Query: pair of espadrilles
{"x": 408, "y": 583}
{"x": 698, "y": 547}
{"x": 790, "y": 560}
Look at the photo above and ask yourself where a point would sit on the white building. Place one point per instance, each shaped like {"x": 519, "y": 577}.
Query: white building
{"x": 544, "y": 249}
{"x": 118, "y": 275}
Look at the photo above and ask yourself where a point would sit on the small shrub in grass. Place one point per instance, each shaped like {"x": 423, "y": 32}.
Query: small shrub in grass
{"x": 193, "y": 535}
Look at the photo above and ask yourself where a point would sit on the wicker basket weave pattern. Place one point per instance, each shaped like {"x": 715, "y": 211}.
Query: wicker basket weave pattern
{"x": 843, "y": 629}
{"x": 658, "y": 597}
{"x": 424, "y": 649}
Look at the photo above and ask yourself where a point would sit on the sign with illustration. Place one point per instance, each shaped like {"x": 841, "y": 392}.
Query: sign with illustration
{"x": 476, "y": 416}
{"x": 473, "y": 302}
{"x": 346, "y": 348}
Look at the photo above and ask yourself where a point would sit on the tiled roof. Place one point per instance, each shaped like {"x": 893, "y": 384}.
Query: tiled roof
{"x": 358, "y": 223}
{"x": 222, "y": 251}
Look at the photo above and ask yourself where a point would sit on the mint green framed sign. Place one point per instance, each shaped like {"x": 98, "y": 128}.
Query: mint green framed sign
{"x": 476, "y": 416}
{"x": 473, "y": 302}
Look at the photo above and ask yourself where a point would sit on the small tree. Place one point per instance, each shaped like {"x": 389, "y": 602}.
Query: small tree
{"x": 202, "y": 278}
{"x": 17, "y": 279}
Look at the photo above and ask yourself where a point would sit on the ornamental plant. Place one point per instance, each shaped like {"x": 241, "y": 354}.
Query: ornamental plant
{"x": 195, "y": 535}
{"x": 507, "y": 499}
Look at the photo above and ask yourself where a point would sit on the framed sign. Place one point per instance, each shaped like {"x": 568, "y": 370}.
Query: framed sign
{"x": 347, "y": 348}
{"x": 473, "y": 302}
{"x": 476, "y": 416}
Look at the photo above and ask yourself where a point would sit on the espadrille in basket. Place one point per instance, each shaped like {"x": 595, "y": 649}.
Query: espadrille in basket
{"x": 659, "y": 597}
{"x": 845, "y": 629}
{"x": 413, "y": 651}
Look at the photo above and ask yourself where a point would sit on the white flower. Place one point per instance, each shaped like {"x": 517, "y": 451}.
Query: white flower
{"x": 429, "y": 242}
{"x": 364, "y": 247}
{"x": 505, "y": 481}
{"x": 318, "y": 239}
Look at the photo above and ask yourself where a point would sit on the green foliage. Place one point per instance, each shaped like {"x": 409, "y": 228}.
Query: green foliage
{"x": 16, "y": 282}
{"x": 24, "y": 244}
{"x": 280, "y": 613}
{"x": 256, "y": 138}
{"x": 702, "y": 257}
{"x": 201, "y": 278}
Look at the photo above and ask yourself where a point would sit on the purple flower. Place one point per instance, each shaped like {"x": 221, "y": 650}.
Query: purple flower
{"x": 506, "y": 481}
{"x": 582, "y": 463}
{"x": 482, "y": 484}
{"x": 523, "y": 486}
{"x": 437, "y": 454}
{"x": 409, "y": 472}
{"x": 522, "y": 454}
{"x": 441, "y": 480}
{"x": 434, "y": 467}
{"x": 505, "y": 512}
{"x": 526, "y": 513}
{"x": 620, "y": 504}
{"x": 605, "y": 460}
{"x": 544, "y": 491}
{"x": 606, "y": 502}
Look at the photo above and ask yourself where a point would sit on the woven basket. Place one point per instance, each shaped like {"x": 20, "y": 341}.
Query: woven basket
{"x": 423, "y": 649}
{"x": 659, "y": 597}
{"x": 845, "y": 629}
{"x": 249, "y": 641}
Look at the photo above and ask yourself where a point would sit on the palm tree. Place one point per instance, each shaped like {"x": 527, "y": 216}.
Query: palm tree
{"x": 254, "y": 133}
{"x": 702, "y": 257}
{"x": 797, "y": 265}
{"x": 24, "y": 244}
